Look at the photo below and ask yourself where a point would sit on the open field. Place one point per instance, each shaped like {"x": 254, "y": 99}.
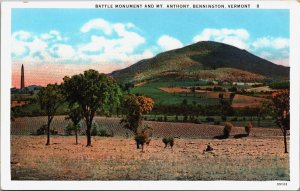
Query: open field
{"x": 118, "y": 159}
{"x": 241, "y": 101}
{"x": 26, "y": 125}
{"x": 159, "y": 92}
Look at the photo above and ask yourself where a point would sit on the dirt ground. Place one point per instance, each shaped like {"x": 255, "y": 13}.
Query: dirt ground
{"x": 248, "y": 158}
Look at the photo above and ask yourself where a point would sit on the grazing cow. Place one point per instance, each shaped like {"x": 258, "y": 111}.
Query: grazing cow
{"x": 143, "y": 136}
{"x": 168, "y": 140}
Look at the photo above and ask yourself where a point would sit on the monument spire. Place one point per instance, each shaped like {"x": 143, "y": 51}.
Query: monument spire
{"x": 22, "y": 77}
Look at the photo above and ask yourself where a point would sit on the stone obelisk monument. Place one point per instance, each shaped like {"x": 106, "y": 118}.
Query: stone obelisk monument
{"x": 22, "y": 77}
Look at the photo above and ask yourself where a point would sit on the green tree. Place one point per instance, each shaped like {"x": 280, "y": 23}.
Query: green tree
{"x": 75, "y": 115}
{"x": 49, "y": 99}
{"x": 92, "y": 91}
{"x": 135, "y": 107}
{"x": 281, "y": 101}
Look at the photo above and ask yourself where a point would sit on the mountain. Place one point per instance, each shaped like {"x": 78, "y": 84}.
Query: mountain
{"x": 203, "y": 60}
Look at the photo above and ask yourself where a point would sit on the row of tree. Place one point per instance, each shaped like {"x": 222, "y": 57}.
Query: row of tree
{"x": 91, "y": 91}
{"x": 88, "y": 93}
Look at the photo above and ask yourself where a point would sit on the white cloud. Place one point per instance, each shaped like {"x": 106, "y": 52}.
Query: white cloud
{"x": 22, "y": 35}
{"x": 234, "y": 37}
{"x": 98, "y": 24}
{"x": 52, "y": 35}
{"x": 63, "y": 51}
{"x": 271, "y": 42}
{"x": 167, "y": 42}
{"x": 19, "y": 48}
{"x": 23, "y": 48}
{"x": 119, "y": 44}
{"x": 122, "y": 43}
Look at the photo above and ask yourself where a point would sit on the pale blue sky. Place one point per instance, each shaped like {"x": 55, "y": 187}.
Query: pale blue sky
{"x": 122, "y": 37}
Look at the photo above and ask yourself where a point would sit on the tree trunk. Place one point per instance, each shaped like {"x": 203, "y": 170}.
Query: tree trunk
{"x": 88, "y": 136}
{"x": 88, "y": 133}
{"x": 48, "y": 131}
{"x": 76, "y": 134}
{"x": 284, "y": 139}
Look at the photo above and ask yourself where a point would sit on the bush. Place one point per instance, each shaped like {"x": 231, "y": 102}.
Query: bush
{"x": 224, "y": 118}
{"x": 104, "y": 132}
{"x": 248, "y": 128}
{"x": 94, "y": 131}
{"x": 227, "y": 129}
{"x": 42, "y": 130}
{"x": 210, "y": 119}
{"x": 69, "y": 129}
{"x": 217, "y": 123}
{"x": 234, "y": 119}
{"x": 197, "y": 121}
{"x": 101, "y": 131}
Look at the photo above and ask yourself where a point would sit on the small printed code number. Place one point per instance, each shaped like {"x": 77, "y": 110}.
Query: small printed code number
{"x": 281, "y": 184}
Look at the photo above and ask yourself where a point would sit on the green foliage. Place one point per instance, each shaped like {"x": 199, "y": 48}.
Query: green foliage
{"x": 232, "y": 89}
{"x": 284, "y": 84}
{"x": 71, "y": 128}
{"x": 101, "y": 131}
{"x": 92, "y": 91}
{"x": 210, "y": 119}
{"x": 227, "y": 129}
{"x": 94, "y": 131}
{"x": 151, "y": 89}
{"x": 203, "y": 60}
{"x": 217, "y": 122}
{"x": 49, "y": 99}
{"x": 224, "y": 118}
{"x": 74, "y": 114}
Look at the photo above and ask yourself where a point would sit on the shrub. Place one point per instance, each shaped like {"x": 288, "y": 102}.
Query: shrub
{"x": 248, "y": 128}
{"x": 210, "y": 119}
{"x": 224, "y": 118}
{"x": 227, "y": 129}
{"x": 69, "y": 129}
{"x": 101, "y": 131}
{"x": 104, "y": 132}
{"x": 197, "y": 121}
{"x": 217, "y": 123}
{"x": 42, "y": 130}
{"x": 176, "y": 118}
{"x": 94, "y": 131}
{"x": 185, "y": 118}
{"x": 165, "y": 118}
{"x": 234, "y": 119}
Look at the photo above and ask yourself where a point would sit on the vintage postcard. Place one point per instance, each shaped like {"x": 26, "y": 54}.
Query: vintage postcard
{"x": 139, "y": 95}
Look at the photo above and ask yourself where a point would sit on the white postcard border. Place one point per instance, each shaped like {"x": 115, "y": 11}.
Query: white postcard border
{"x": 7, "y": 183}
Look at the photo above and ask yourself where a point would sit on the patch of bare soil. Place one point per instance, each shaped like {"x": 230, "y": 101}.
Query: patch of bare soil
{"x": 241, "y": 101}
{"x": 247, "y": 158}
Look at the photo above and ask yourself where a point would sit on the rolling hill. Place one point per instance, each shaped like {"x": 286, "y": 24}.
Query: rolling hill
{"x": 203, "y": 60}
